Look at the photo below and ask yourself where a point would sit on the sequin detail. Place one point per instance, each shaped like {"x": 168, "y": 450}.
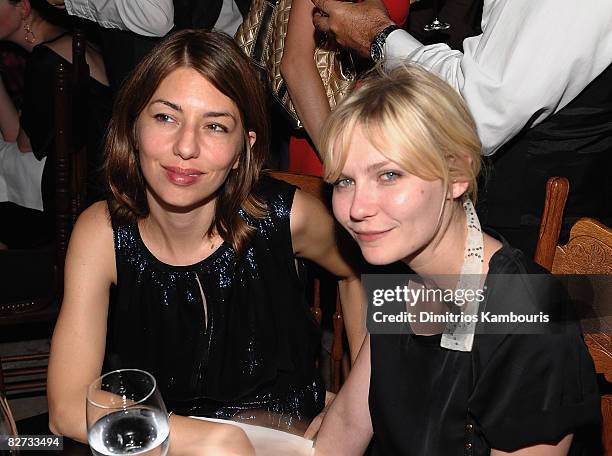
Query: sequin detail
{"x": 260, "y": 341}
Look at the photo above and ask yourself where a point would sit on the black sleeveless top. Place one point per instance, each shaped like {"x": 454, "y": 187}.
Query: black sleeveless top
{"x": 511, "y": 391}
{"x": 38, "y": 119}
{"x": 256, "y": 345}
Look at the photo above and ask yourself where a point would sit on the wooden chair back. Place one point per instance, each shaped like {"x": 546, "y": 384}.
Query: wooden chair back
{"x": 588, "y": 251}
{"x": 26, "y": 373}
{"x": 316, "y": 187}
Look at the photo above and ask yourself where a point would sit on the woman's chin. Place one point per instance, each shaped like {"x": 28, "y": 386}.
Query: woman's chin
{"x": 380, "y": 257}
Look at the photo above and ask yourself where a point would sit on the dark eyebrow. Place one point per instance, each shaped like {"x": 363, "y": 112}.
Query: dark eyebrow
{"x": 219, "y": 114}
{"x": 169, "y": 104}
{"x": 206, "y": 114}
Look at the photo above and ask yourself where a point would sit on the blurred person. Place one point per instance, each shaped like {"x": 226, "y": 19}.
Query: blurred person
{"x": 35, "y": 26}
{"x": 20, "y": 171}
{"x": 131, "y": 28}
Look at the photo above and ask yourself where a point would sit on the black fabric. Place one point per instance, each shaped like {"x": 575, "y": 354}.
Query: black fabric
{"x": 576, "y": 143}
{"x": 202, "y": 14}
{"x": 38, "y": 119}
{"x": 464, "y": 17}
{"x": 123, "y": 50}
{"x": 259, "y": 347}
{"x": 511, "y": 391}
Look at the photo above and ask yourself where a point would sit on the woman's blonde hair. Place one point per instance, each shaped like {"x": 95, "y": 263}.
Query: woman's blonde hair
{"x": 414, "y": 119}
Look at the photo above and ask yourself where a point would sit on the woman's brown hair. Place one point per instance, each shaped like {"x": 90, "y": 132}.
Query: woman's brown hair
{"x": 217, "y": 58}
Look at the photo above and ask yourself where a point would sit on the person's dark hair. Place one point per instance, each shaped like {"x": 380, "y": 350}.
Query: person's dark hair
{"x": 217, "y": 58}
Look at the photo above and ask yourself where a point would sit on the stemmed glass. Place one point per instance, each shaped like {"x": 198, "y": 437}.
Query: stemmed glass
{"x": 126, "y": 415}
{"x": 436, "y": 25}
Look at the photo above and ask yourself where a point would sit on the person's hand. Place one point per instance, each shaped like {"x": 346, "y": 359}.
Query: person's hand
{"x": 354, "y": 25}
{"x": 57, "y": 3}
{"x": 315, "y": 424}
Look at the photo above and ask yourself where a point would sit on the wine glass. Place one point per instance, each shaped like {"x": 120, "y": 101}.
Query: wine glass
{"x": 126, "y": 415}
{"x": 436, "y": 25}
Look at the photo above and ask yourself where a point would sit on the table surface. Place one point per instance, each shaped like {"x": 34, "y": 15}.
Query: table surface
{"x": 39, "y": 425}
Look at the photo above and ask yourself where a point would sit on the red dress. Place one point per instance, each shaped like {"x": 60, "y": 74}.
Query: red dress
{"x": 302, "y": 157}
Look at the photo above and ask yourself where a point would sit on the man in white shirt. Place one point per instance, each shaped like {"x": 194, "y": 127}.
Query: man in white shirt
{"x": 154, "y": 18}
{"x": 531, "y": 60}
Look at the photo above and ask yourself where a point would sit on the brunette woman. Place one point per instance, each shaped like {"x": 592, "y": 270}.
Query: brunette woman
{"x": 189, "y": 271}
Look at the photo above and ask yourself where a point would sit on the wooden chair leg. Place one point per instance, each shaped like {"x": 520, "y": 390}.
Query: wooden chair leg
{"x": 337, "y": 346}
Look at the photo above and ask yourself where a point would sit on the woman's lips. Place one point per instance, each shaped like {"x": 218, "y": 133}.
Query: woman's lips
{"x": 370, "y": 236}
{"x": 182, "y": 176}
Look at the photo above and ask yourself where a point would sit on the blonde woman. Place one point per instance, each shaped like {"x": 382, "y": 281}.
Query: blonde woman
{"x": 403, "y": 154}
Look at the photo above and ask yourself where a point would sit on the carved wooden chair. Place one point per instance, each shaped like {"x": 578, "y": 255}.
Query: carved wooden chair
{"x": 33, "y": 307}
{"x": 316, "y": 187}
{"x": 588, "y": 251}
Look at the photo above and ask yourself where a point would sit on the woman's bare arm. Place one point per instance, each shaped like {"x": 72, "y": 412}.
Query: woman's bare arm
{"x": 314, "y": 237}
{"x": 347, "y": 427}
{"x": 9, "y": 118}
{"x": 300, "y": 72}
{"x": 78, "y": 344}
{"x": 559, "y": 449}
{"x": 77, "y": 347}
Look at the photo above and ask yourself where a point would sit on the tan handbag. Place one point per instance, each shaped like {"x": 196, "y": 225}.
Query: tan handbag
{"x": 262, "y": 37}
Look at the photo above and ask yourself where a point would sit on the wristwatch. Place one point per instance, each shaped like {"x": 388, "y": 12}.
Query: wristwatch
{"x": 377, "y": 48}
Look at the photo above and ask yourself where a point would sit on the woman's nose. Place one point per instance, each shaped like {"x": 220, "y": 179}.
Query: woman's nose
{"x": 186, "y": 145}
{"x": 364, "y": 203}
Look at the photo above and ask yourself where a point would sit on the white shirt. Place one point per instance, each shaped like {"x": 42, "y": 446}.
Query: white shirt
{"x": 20, "y": 176}
{"x": 229, "y": 19}
{"x": 144, "y": 17}
{"x": 532, "y": 59}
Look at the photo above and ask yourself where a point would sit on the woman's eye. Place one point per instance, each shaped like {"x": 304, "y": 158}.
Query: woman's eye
{"x": 163, "y": 118}
{"x": 390, "y": 176}
{"x": 343, "y": 183}
{"x": 217, "y": 127}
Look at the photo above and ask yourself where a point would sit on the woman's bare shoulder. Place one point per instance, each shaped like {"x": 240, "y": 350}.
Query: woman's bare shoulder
{"x": 95, "y": 222}
{"x": 92, "y": 243}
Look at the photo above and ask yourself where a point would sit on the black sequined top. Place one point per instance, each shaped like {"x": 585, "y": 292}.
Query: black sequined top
{"x": 257, "y": 347}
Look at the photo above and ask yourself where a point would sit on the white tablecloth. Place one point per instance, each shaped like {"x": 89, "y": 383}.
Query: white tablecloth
{"x": 272, "y": 442}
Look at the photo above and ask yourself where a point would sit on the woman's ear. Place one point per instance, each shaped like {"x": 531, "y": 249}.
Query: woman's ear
{"x": 251, "y": 138}
{"x": 25, "y": 8}
{"x": 458, "y": 188}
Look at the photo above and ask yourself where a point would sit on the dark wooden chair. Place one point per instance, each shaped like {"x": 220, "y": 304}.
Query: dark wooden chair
{"x": 7, "y": 423}
{"x": 588, "y": 251}
{"x": 316, "y": 187}
{"x": 36, "y": 276}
